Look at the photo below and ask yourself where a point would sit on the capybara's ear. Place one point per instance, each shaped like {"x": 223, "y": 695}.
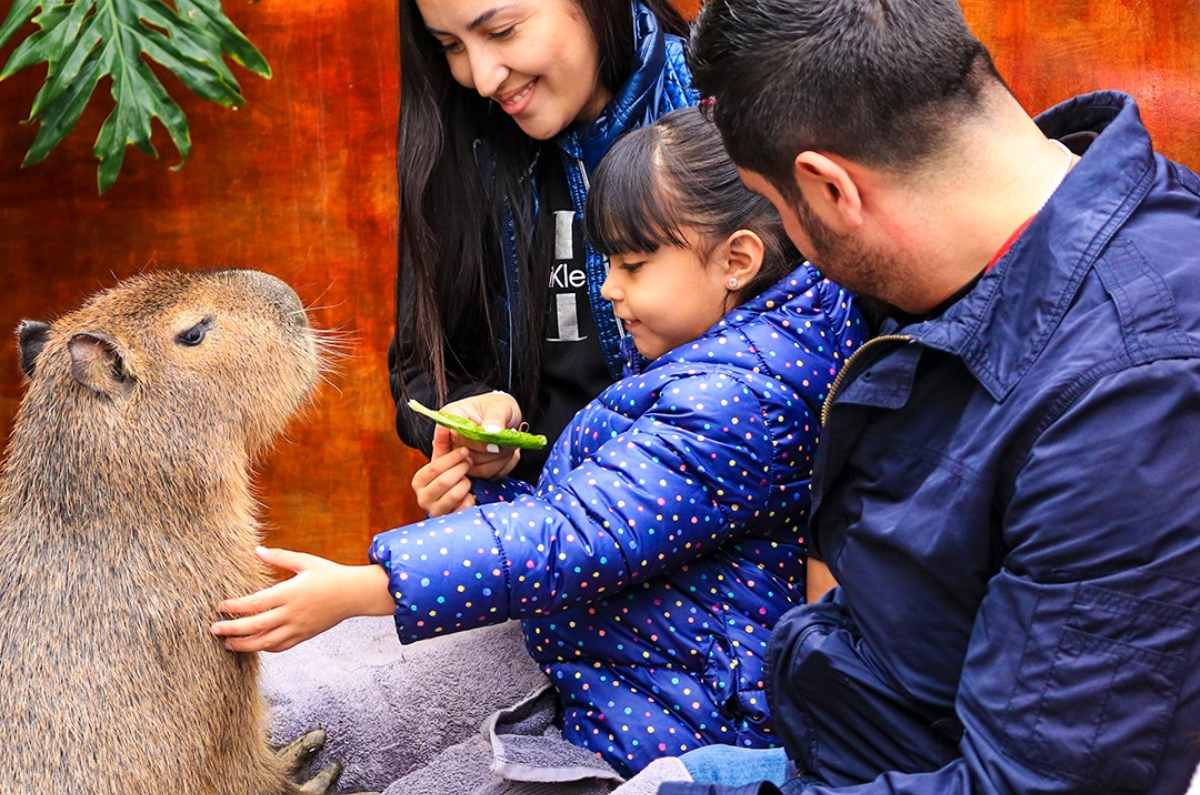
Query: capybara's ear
{"x": 31, "y": 338}
{"x": 96, "y": 362}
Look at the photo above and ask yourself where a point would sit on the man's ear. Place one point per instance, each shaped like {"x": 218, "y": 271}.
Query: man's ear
{"x": 31, "y": 338}
{"x": 830, "y": 190}
{"x": 744, "y": 258}
{"x": 97, "y": 363}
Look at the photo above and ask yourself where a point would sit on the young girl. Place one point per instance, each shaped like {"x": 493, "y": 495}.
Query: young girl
{"x": 666, "y": 534}
{"x": 507, "y": 108}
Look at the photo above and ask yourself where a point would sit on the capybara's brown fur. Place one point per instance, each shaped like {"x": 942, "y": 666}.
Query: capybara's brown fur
{"x": 125, "y": 517}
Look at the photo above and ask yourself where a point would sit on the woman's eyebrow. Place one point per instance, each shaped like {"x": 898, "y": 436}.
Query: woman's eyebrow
{"x": 482, "y": 19}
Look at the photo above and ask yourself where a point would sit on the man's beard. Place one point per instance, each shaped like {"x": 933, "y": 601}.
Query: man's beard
{"x": 845, "y": 260}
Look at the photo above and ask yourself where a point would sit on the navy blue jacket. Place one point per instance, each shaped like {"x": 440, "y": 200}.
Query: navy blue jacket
{"x": 1010, "y": 497}
{"x": 665, "y": 537}
{"x": 660, "y": 83}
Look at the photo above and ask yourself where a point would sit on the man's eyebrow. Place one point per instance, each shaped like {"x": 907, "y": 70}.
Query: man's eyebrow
{"x": 482, "y": 19}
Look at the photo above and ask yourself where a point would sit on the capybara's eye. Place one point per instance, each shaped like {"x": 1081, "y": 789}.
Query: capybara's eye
{"x": 195, "y": 335}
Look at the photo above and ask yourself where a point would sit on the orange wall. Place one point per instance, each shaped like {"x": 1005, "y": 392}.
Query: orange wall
{"x": 1049, "y": 50}
{"x": 300, "y": 182}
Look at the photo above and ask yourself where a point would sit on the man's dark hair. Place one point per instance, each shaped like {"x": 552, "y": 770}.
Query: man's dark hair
{"x": 878, "y": 81}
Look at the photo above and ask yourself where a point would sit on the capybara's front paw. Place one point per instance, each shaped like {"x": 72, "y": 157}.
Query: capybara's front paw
{"x": 295, "y": 757}
{"x": 324, "y": 782}
{"x": 297, "y": 754}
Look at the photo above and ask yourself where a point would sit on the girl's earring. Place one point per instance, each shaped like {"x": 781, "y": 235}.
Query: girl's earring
{"x": 733, "y": 283}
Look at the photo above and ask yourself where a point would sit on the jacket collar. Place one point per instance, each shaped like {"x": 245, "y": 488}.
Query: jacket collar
{"x": 1000, "y": 327}
{"x": 631, "y": 104}
{"x": 634, "y": 362}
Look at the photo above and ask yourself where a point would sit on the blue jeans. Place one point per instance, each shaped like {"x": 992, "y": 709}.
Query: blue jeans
{"x": 736, "y": 767}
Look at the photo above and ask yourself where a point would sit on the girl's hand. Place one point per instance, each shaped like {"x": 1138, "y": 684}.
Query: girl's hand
{"x": 442, "y": 485}
{"x": 495, "y": 411}
{"x": 320, "y": 595}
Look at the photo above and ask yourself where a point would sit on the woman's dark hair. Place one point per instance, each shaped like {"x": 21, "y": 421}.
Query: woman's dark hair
{"x": 675, "y": 174}
{"x": 451, "y": 214}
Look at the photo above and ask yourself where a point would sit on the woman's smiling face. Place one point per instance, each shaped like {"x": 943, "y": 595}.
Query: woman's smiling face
{"x": 537, "y": 59}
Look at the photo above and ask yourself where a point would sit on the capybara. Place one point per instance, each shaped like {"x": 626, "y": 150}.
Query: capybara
{"x": 126, "y": 516}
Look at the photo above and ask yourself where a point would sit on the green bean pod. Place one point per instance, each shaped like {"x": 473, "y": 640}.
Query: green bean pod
{"x": 475, "y": 432}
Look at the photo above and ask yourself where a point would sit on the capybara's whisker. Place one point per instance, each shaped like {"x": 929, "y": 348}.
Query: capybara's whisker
{"x": 310, "y": 309}
{"x": 320, "y": 295}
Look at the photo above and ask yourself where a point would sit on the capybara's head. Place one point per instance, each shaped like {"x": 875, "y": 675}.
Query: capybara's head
{"x": 171, "y": 364}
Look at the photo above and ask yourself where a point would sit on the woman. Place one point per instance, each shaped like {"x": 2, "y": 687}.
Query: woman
{"x": 507, "y": 108}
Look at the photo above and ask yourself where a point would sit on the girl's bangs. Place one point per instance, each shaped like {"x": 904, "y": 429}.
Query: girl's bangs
{"x": 627, "y": 209}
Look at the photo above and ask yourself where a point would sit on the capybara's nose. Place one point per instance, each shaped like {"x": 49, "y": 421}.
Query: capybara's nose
{"x": 278, "y": 292}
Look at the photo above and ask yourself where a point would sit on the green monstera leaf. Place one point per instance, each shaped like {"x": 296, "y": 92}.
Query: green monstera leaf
{"x": 84, "y": 41}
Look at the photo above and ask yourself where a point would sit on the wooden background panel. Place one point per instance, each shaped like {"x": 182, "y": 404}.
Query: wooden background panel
{"x": 301, "y": 183}
{"x": 1049, "y": 50}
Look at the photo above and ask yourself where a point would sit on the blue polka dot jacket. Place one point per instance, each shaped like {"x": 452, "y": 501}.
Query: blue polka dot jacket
{"x": 664, "y": 539}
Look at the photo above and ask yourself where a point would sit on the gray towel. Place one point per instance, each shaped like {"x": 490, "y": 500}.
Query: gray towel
{"x": 519, "y": 751}
{"x": 390, "y": 709}
{"x": 658, "y": 772}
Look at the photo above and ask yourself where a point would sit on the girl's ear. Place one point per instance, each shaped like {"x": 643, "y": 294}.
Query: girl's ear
{"x": 744, "y": 259}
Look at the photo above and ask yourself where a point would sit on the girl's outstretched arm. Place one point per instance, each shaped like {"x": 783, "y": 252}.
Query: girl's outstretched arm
{"x": 321, "y": 595}
{"x": 681, "y": 480}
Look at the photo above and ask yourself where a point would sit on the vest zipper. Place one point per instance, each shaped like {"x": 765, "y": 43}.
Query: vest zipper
{"x": 842, "y": 375}
{"x": 587, "y": 187}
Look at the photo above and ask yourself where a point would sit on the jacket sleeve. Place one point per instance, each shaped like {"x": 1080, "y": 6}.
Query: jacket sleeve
{"x": 1081, "y": 675}
{"x": 489, "y": 490}
{"x": 682, "y": 479}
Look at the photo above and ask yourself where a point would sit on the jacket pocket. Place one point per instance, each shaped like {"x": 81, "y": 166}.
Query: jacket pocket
{"x": 1103, "y": 703}
{"x": 720, "y": 674}
{"x": 837, "y": 713}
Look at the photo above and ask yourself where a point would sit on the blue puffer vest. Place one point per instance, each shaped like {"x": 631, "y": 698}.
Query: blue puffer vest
{"x": 664, "y": 539}
{"x": 660, "y": 84}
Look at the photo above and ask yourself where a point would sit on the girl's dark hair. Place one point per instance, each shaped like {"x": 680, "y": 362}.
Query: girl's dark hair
{"x": 451, "y": 214}
{"x": 675, "y": 174}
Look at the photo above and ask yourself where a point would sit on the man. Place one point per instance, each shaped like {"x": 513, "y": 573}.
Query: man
{"x": 1008, "y": 486}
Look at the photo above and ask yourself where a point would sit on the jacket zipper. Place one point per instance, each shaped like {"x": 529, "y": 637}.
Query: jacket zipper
{"x": 842, "y": 376}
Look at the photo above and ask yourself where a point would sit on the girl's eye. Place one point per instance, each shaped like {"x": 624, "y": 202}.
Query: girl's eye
{"x": 450, "y": 47}
{"x": 632, "y": 267}
{"x": 504, "y": 34}
{"x": 195, "y": 335}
